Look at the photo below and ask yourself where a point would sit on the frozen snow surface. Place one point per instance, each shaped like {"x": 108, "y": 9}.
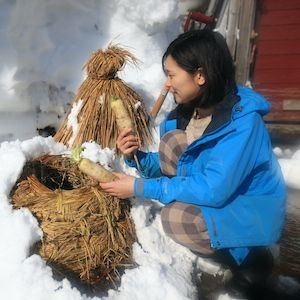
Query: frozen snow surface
{"x": 291, "y": 169}
{"x": 164, "y": 268}
{"x": 43, "y": 46}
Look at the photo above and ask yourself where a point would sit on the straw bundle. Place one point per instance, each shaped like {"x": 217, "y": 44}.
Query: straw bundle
{"x": 85, "y": 231}
{"x": 95, "y": 118}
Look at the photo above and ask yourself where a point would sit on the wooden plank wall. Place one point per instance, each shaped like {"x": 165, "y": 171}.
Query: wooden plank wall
{"x": 277, "y": 63}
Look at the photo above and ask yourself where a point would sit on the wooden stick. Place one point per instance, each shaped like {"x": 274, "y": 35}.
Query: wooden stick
{"x": 158, "y": 103}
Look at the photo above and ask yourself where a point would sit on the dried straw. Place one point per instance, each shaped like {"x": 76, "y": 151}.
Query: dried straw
{"x": 95, "y": 118}
{"x": 85, "y": 231}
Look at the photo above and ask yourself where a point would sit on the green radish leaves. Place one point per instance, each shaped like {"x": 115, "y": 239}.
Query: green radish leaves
{"x": 76, "y": 155}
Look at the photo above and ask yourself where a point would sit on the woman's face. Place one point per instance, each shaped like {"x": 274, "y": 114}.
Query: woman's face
{"x": 184, "y": 86}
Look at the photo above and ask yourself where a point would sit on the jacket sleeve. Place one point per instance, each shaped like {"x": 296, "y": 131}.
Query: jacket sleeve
{"x": 230, "y": 162}
{"x": 149, "y": 164}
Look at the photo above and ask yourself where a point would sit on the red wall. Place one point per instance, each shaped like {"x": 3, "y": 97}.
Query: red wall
{"x": 277, "y": 62}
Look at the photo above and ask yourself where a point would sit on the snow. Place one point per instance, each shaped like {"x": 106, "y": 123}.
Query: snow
{"x": 291, "y": 170}
{"x": 73, "y": 120}
{"x": 159, "y": 259}
{"x": 44, "y": 45}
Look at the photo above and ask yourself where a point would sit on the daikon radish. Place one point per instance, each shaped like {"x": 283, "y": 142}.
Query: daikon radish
{"x": 122, "y": 116}
{"x": 123, "y": 120}
{"x": 96, "y": 171}
{"x": 91, "y": 168}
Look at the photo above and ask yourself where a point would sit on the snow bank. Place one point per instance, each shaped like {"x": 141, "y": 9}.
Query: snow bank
{"x": 46, "y": 43}
{"x": 159, "y": 259}
{"x": 291, "y": 170}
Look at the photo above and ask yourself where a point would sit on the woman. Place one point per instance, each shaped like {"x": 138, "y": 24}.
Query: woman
{"x": 215, "y": 170}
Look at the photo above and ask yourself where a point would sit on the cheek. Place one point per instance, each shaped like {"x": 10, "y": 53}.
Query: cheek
{"x": 190, "y": 91}
{"x": 175, "y": 83}
{"x": 189, "y": 86}
{"x": 184, "y": 87}
{"x": 180, "y": 83}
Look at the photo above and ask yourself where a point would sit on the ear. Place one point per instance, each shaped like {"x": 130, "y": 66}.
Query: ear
{"x": 200, "y": 78}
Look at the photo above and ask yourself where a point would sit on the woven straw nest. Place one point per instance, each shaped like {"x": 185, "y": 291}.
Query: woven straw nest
{"x": 95, "y": 118}
{"x": 86, "y": 232}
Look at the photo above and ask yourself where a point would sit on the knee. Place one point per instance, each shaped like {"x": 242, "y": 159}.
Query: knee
{"x": 184, "y": 224}
{"x": 175, "y": 214}
{"x": 166, "y": 218}
{"x": 165, "y": 212}
{"x": 182, "y": 214}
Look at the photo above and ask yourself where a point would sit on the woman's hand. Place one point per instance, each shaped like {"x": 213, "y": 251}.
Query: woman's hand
{"x": 122, "y": 188}
{"x": 127, "y": 143}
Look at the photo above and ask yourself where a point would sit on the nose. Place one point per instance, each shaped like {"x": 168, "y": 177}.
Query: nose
{"x": 168, "y": 84}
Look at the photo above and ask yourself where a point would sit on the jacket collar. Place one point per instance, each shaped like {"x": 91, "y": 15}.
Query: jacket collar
{"x": 221, "y": 115}
{"x": 223, "y": 112}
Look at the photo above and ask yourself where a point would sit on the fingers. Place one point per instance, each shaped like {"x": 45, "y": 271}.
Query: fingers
{"x": 128, "y": 149}
{"x": 110, "y": 188}
{"x": 122, "y": 188}
{"x": 124, "y": 132}
{"x": 120, "y": 175}
{"x": 127, "y": 142}
{"x": 126, "y": 135}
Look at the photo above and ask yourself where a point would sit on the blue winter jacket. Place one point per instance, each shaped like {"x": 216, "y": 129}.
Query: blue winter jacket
{"x": 230, "y": 172}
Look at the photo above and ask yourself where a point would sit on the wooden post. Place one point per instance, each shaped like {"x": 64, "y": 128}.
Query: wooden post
{"x": 243, "y": 51}
{"x": 158, "y": 103}
{"x": 211, "y": 7}
{"x": 232, "y": 25}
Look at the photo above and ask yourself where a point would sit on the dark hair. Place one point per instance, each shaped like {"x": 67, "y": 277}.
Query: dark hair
{"x": 208, "y": 51}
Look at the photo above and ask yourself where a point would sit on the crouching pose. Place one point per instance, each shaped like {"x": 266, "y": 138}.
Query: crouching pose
{"x": 215, "y": 171}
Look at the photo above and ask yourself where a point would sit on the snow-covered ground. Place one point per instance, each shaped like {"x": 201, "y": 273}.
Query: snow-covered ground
{"x": 43, "y": 46}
